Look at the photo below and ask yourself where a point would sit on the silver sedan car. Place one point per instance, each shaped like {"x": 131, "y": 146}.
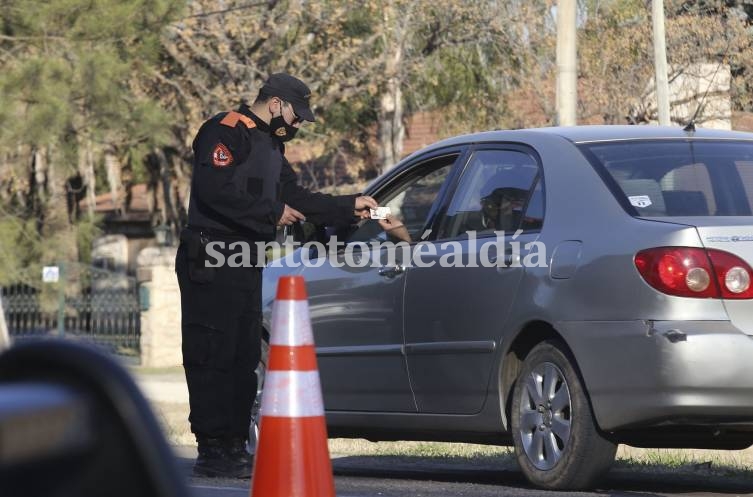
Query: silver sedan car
{"x": 576, "y": 288}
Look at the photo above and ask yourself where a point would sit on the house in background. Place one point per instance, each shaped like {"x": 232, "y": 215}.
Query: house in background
{"x": 329, "y": 171}
{"x": 127, "y": 228}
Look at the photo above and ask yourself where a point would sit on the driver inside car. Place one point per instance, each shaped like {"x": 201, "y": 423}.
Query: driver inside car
{"x": 502, "y": 208}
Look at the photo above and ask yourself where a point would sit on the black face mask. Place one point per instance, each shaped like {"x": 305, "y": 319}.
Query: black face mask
{"x": 281, "y": 130}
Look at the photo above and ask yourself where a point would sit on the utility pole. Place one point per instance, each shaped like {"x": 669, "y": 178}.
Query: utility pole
{"x": 660, "y": 62}
{"x": 567, "y": 70}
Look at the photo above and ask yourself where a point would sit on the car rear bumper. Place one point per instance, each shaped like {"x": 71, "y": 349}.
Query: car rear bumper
{"x": 649, "y": 373}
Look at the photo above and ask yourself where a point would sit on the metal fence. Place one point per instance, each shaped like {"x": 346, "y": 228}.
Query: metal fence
{"x": 78, "y": 302}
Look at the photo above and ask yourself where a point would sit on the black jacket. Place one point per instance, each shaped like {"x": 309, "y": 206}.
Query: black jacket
{"x": 241, "y": 181}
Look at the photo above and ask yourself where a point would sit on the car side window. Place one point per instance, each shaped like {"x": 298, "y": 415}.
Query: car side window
{"x": 492, "y": 194}
{"x": 410, "y": 199}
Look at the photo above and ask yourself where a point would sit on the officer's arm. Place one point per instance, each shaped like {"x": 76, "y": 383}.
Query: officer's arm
{"x": 319, "y": 208}
{"x": 218, "y": 152}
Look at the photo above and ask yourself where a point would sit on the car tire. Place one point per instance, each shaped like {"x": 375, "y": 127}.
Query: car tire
{"x": 557, "y": 443}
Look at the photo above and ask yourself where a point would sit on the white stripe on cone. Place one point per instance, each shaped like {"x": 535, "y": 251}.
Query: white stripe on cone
{"x": 290, "y": 323}
{"x": 292, "y": 394}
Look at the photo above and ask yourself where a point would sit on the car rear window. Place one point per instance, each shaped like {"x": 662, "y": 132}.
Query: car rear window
{"x": 678, "y": 178}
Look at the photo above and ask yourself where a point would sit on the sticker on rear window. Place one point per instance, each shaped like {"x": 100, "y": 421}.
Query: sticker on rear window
{"x": 640, "y": 200}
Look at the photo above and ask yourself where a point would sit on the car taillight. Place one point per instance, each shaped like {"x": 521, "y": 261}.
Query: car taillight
{"x": 732, "y": 275}
{"x": 682, "y": 271}
{"x": 695, "y": 272}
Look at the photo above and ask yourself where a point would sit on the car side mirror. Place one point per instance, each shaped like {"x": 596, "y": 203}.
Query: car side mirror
{"x": 73, "y": 422}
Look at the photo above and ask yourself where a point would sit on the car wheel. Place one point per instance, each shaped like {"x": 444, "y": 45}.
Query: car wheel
{"x": 557, "y": 442}
{"x": 261, "y": 369}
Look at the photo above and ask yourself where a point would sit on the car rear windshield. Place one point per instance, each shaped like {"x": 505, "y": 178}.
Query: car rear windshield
{"x": 678, "y": 178}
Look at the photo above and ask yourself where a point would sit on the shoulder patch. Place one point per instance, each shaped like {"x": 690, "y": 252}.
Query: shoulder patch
{"x": 221, "y": 156}
{"x": 232, "y": 118}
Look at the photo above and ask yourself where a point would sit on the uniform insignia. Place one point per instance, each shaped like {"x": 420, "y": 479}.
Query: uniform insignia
{"x": 232, "y": 118}
{"x": 281, "y": 132}
{"x": 221, "y": 157}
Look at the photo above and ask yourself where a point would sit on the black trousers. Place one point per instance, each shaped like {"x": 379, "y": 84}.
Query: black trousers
{"x": 221, "y": 331}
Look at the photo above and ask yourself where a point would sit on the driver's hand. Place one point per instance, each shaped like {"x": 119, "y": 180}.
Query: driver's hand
{"x": 390, "y": 223}
{"x": 395, "y": 228}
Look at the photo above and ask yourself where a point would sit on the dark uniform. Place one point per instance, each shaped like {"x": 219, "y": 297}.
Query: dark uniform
{"x": 241, "y": 181}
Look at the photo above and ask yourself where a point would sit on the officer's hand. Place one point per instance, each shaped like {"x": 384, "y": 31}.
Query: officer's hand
{"x": 363, "y": 204}
{"x": 290, "y": 216}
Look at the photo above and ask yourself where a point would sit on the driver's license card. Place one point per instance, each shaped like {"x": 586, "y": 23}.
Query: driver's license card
{"x": 380, "y": 212}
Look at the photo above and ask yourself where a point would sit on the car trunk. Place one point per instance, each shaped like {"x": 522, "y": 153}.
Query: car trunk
{"x": 703, "y": 183}
{"x": 733, "y": 235}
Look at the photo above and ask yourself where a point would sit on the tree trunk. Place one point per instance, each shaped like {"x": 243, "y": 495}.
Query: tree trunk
{"x": 183, "y": 189}
{"x": 114, "y": 180}
{"x": 391, "y": 128}
{"x": 55, "y": 186}
{"x": 36, "y": 188}
{"x": 40, "y": 171}
{"x": 169, "y": 215}
{"x": 390, "y": 114}
{"x": 55, "y": 208}
{"x": 54, "y": 200}
{"x": 6, "y": 179}
{"x": 86, "y": 170}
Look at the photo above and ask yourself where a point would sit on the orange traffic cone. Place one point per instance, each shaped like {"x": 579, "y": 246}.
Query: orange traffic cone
{"x": 292, "y": 457}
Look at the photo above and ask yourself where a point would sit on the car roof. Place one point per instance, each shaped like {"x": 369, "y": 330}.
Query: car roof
{"x": 582, "y": 134}
{"x": 595, "y": 133}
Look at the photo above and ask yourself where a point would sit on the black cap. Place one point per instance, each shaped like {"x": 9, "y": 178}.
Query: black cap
{"x": 291, "y": 90}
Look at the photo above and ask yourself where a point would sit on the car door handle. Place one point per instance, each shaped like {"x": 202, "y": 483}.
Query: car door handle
{"x": 391, "y": 272}
{"x": 509, "y": 260}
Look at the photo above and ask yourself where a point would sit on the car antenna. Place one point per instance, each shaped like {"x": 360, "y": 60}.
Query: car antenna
{"x": 690, "y": 127}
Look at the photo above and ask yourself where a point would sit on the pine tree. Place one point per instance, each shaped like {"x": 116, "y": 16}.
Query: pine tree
{"x": 70, "y": 98}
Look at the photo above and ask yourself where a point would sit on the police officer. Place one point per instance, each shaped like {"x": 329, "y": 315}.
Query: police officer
{"x": 242, "y": 189}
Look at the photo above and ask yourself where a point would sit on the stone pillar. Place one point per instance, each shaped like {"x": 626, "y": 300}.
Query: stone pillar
{"x": 160, "y": 322}
{"x": 4, "y": 337}
{"x": 111, "y": 252}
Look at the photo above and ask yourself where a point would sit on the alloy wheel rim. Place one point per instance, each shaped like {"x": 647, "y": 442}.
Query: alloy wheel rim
{"x": 545, "y": 415}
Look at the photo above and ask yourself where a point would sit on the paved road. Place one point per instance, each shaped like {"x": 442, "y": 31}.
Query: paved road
{"x": 439, "y": 477}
